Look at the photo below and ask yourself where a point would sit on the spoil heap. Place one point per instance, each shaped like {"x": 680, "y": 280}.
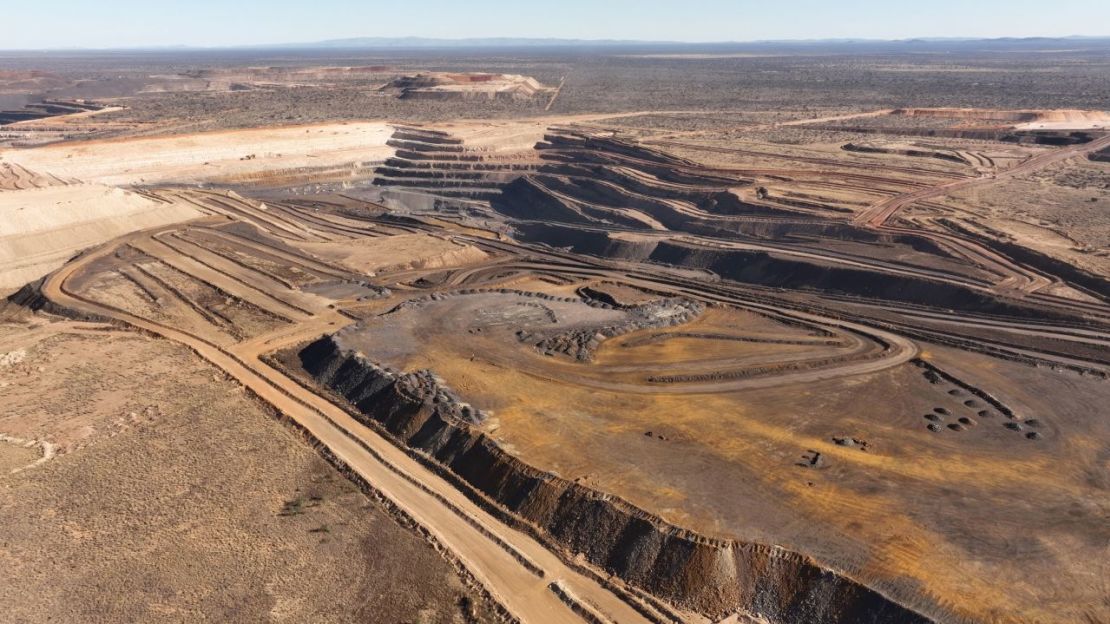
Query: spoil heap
{"x": 455, "y": 86}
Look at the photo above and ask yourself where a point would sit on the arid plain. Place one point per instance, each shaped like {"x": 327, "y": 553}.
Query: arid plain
{"x": 549, "y": 338}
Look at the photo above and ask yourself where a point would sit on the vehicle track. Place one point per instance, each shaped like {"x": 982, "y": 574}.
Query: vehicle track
{"x": 1017, "y": 280}
{"x": 513, "y": 566}
{"x": 883, "y": 211}
{"x": 895, "y": 350}
{"x": 770, "y": 301}
{"x": 312, "y": 265}
{"x": 503, "y": 560}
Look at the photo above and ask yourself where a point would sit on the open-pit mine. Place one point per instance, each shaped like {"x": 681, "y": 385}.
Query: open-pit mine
{"x": 646, "y": 365}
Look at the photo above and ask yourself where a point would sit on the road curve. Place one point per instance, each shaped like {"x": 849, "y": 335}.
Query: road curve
{"x": 880, "y": 213}
{"x": 516, "y": 569}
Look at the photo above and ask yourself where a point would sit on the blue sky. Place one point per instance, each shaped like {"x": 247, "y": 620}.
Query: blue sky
{"x": 126, "y": 23}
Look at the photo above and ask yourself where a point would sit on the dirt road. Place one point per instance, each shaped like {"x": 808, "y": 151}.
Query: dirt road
{"x": 877, "y": 215}
{"x": 522, "y": 574}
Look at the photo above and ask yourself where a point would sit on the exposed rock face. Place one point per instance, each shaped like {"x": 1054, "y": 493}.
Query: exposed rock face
{"x": 712, "y": 576}
{"x": 769, "y": 269}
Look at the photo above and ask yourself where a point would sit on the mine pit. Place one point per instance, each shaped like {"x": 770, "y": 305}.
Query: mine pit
{"x": 679, "y": 364}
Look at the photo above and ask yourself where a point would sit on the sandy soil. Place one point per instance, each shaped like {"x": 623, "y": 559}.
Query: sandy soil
{"x": 179, "y": 499}
{"x": 42, "y": 228}
{"x": 196, "y": 157}
{"x": 499, "y": 136}
{"x": 1069, "y": 120}
{"x": 17, "y": 455}
{"x": 397, "y": 253}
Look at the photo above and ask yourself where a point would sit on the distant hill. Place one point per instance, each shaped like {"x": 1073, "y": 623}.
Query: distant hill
{"x": 491, "y": 42}
{"x": 793, "y": 46}
{"x": 930, "y": 44}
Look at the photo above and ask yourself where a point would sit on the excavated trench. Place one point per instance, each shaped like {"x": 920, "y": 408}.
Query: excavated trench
{"x": 712, "y": 576}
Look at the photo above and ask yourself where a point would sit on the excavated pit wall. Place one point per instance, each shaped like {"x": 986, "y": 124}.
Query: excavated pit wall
{"x": 1091, "y": 283}
{"x": 712, "y": 576}
{"x": 766, "y": 269}
{"x": 916, "y": 153}
{"x": 1002, "y": 135}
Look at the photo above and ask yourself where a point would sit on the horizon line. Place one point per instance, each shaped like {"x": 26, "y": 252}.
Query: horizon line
{"x": 418, "y": 42}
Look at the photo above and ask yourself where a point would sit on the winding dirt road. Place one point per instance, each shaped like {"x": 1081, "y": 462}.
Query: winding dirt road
{"x": 530, "y": 581}
{"x": 878, "y": 214}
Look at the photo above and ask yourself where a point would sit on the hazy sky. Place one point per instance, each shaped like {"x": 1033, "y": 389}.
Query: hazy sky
{"x": 127, "y": 23}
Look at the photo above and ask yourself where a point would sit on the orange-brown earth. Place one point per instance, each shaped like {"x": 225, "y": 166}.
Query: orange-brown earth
{"x": 661, "y": 369}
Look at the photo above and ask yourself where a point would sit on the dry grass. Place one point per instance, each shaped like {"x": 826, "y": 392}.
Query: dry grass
{"x": 1060, "y": 212}
{"x": 178, "y": 499}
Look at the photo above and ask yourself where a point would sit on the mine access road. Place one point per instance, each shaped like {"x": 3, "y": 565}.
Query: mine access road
{"x": 532, "y": 583}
